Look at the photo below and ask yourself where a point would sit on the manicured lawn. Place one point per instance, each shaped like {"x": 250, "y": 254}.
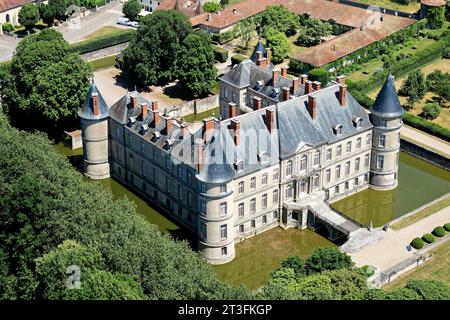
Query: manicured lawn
{"x": 105, "y": 62}
{"x": 422, "y": 214}
{"x": 108, "y": 30}
{"x": 294, "y": 49}
{"x": 440, "y": 64}
{"x": 200, "y": 116}
{"x": 438, "y": 268}
{"x": 367, "y": 70}
{"x": 412, "y": 7}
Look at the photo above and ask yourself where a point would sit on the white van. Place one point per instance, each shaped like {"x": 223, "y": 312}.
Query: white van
{"x": 123, "y": 21}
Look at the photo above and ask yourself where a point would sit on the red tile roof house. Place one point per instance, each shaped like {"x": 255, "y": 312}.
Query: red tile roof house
{"x": 368, "y": 26}
{"x": 9, "y": 10}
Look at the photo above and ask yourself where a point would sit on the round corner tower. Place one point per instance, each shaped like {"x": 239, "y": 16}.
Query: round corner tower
{"x": 386, "y": 117}
{"x": 94, "y": 131}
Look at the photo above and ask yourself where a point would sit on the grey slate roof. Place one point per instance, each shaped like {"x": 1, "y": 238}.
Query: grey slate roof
{"x": 387, "y": 103}
{"x": 87, "y": 112}
{"x": 260, "y": 47}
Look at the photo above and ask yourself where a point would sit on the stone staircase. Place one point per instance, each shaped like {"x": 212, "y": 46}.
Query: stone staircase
{"x": 362, "y": 238}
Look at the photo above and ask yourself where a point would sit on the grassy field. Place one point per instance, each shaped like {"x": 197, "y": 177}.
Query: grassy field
{"x": 438, "y": 268}
{"x": 440, "y": 64}
{"x": 108, "y": 30}
{"x": 412, "y": 7}
{"x": 422, "y": 214}
{"x": 105, "y": 62}
{"x": 367, "y": 70}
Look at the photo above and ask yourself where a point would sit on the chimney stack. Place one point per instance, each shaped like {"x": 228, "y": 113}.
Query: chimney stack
{"x": 154, "y": 105}
{"x": 343, "y": 95}
{"x": 257, "y": 103}
{"x": 316, "y": 85}
{"x": 236, "y": 127}
{"x": 134, "y": 101}
{"x": 144, "y": 109}
{"x": 269, "y": 55}
{"x": 169, "y": 125}
{"x": 312, "y": 106}
{"x": 304, "y": 78}
{"x": 286, "y": 93}
{"x": 284, "y": 71}
{"x": 295, "y": 85}
{"x": 274, "y": 77}
{"x": 95, "y": 104}
{"x": 156, "y": 118}
{"x": 308, "y": 87}
{"x": 199, "y": 146}
{"x": 341, "y": 79}
{"x": 270, "y": 119}
{"x": 259, "y": 55}
{"x": 232, "y": 110}
{"x": 208, "y": 128}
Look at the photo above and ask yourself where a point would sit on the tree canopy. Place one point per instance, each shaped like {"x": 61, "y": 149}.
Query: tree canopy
{"x": 29, "y": 15}
{"x": 131, "y": 9}
{"x": 279, "y": 44}
{"x": 313, "y": 31}
{"x": 212, "y": 6}
{"x": 414, "y": 86}
{"x": 153, "y": 55}
{"x": 279, "y": 18}
{"x": 197, "y": 71}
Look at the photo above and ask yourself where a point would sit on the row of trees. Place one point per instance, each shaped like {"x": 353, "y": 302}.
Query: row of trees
{"x": 166, "y": 48}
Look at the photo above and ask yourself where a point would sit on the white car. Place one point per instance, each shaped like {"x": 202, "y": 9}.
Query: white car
{"x": 123, "y": 21}
{"x": 133, "y": 24}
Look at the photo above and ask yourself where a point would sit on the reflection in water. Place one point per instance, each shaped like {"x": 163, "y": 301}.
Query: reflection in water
{"x": 419, "y": 183}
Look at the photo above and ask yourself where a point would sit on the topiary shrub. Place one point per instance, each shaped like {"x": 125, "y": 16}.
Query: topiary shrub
{"x": 7, "y": 27}
{"x": 320, "y": 75}
{"x": 439, "y": 232}
{"x": 431, "y": 111}
{"x": 220, "y": 54}
{"x": 417, "y": 243}
{"x": 238, "y": 58}
{"x": 447, "y": 227}
{"x": 428, "y": 238}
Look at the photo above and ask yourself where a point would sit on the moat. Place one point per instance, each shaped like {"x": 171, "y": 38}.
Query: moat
{"x": 419, "y": 183}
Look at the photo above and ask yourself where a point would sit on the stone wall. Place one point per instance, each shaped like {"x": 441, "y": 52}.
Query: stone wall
{"x": 425, "y": 154}
{"x": 194, "y": 106}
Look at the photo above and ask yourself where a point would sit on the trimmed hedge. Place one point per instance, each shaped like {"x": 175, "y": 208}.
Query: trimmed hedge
{"x": 447, "y": 227}
{"x": 320, "y": 75}
{"x": 428, "y": 238}
{"x": 103, "y": 41}
{"x": 417, "y": 243}
{"x": 222, "y": 38}
{"x": 220, "y": 54}
{"x": 238, "y": 58}
{"x": 439, "y": 232}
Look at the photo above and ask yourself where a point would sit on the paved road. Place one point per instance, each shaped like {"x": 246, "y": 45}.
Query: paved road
{"x": 7, "y": 46}
{"x": 391, "y": 250}
{"x": 442, "y": 146}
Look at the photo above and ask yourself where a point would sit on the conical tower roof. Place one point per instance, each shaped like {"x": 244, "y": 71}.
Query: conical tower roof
{"x": 87, "y": 110}
{"x": 387, "y": 103}
{"x": 260, "y": 47}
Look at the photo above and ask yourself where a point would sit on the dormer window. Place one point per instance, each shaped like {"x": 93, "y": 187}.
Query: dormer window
{"x": 168, "y": 144}
{"x": 131, "y": 121}
{"x": 144, "y": 129}
{"x": 239, "y": 165}
{"x": 337, "y": 130}
{"x": 259, "y": 85}
{"x": 357, "y": 122}
{"x": 263, "y": 157}
{"x": 275, "y": 92}
{"x": 156, "y": 135}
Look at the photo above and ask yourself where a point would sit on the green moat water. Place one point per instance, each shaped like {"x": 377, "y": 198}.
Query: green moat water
{"x": 257, "y": 257}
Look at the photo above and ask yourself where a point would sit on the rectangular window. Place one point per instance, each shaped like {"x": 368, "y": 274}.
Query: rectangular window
{"x": 203, "y": 188}
{"x": 275, "y": 214}
{"x": 180, "y": 171}
{"x": 264, "y": 179}
{"x": 336, "y": 190}
{"x": 289, "y": 169}
{"x": 241, "y": 187}
{"x": 315, "y": 181}
{"x": 347, "y": 168}
{"x": 241, "y": 228}
{"x": 203, "y": 206}
{"x": 224, "y": 251}
{"x": 357, "y": 161}
{"x": 329, "y": 154}
{"x": 317, "y": 158}
{"x": 369, "y": 139}
{"x": 328, "y": 175}
{"x": 382, "y": 141}
{"x": 275, "y": 196}
{"x": 189, "y": 199}
{"x": 380, "y": 161}
{"x": 264, "y": 219}
{"x": 155, "y": 176}
{"x": 347, "y": 185}
{"x": 223, "y": 231}
{"x": 253, "y": 224}
{"x": 142, "y": 146}
{"x": 349, "y": 147}
{"x": 264, "y": 201}
{"x": 338, "y": 172}
{"x": 143, "y": 167}
{"x": 366, "y": 161}
{"x": 356, "y": 181}
{"x": 180, "y": 193}
{"x": 168, "y": 184}
{"x": 167, "y": 162}
{"x": 253, "y": 183}
{"x": 223, "y": 188}
{"x": 275, "y": 174}
{"x": 223, "y": 209}
{"x": 253, "y": 205}
{"x": 289, "y": 191}
{"x": 338, "y": 151}
{"x": 383, "y": 123}
{"x": 358, "y": 143}
{"x": 154, "y": 154}
{"x": 241, "y": 210}
{"x": 203, "y": 231}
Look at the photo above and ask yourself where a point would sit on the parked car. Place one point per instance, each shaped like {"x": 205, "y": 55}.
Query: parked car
{"x": 123, "y": 21}
{"x": 133, "y": 24}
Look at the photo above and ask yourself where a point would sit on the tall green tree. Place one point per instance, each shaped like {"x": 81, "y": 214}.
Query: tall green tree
{"x": 435, "y": 17}
{"x": 313, "y": 31}
{"x": 212, "y": 6}
{"x": 279, "y": 44}
{"x": 153, "y": 55}
{"x": 279, "y": 18}
{"x": 29, "y": 15}
{"x": 414, "y": 87}
{"x": 328, "y": 258}
{"x": 50, "y": 81}
{"x": 131, "y": 9}
{"x": 197, "y": 71}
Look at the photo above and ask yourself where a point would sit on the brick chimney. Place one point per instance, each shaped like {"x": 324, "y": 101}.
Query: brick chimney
{"x": 232, "y": 110}
{"x": 208, "y": 128}
{"x": 134, "y": 101}
{"x": 169, "y": 125}
{"x": 303, "y": 79}
{"x": 236, "y": 127}
{"x": 284, "y": 71}
{"x": 270, "y": 119}
{"x": 286, "y": 93}
{"x": 95, "y": 108}
{"x": 295, "y": 85}
{"x": 154, "y": 105}
{"x": 156, "y": 118}
{"x": 343, "y": 94}
{"x": 144, "y": 109}
{"x": 262, "y": 63}
{"x": 340, "y": 79}
{"x": 199, "y": 148}
{"x": 269, "y": 55}
{"x": 308, "y": 87}
{"x": 316, "y": 85}
{"x": 257, "y": 103}
{"x": 274, "y": 77}
{"x": 312, "y": 106}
